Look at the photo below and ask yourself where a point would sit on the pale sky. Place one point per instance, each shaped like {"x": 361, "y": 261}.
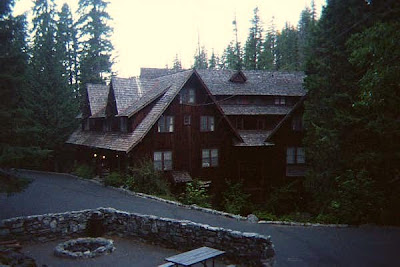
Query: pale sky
{"x": 149, "y": 33}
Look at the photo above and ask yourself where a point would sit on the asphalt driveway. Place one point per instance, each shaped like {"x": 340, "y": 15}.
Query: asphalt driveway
{"x": 295, "y": 245}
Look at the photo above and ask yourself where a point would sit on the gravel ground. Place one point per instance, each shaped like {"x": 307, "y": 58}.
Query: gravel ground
{"x": 128, "y": 252}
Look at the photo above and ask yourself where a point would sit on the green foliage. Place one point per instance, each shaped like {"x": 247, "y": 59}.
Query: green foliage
{"x": 200, "y": 59}
{"x": 95, "y": 57}
{"x": 195, "y": 193}
{"x": 286, "y": 199}
{"x": 10, "y": 184}
{"x": 358, "y": 199}
{"x": 253, "y": 46}
{"x": 84, "y": 171}
{"x": 114, "y": 179}
{"x": 145, "y": 179}
{"x": 234, "y": 199}
{"x": 287, "y": 50}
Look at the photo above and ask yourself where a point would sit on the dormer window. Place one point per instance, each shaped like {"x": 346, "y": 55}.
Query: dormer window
{"x": 238, "y": 77}
{"x": 280, "y": 100}
{"x": 187, "y": 96}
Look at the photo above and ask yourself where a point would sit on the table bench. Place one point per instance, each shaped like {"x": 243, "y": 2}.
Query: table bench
{"x": 194, "y": 256}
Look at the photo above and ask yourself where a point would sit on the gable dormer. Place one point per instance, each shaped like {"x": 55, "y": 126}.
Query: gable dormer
{"x": 238, "y": 77}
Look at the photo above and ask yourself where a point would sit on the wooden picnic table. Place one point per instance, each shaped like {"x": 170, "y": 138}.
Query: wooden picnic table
{"x": 195, "y": 256}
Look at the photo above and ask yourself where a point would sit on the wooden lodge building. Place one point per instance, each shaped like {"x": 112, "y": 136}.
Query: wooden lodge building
{"x": 207, "y": 124}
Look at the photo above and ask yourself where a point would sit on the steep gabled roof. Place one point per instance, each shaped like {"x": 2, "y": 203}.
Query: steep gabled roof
{"x": 218, "y": 107}
{"x": 143, "y": 101}
{"x": 125, "y": 142}
{"x": 128, "y": 90}
{"x": 97, "y": 99}
{"x": 286, "y": 118}
{"x": 257, "y": 83}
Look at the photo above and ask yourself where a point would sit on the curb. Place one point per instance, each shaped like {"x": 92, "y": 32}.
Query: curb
{"x": 194, "y": 206}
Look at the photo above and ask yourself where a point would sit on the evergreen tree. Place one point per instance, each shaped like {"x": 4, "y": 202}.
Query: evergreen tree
{"x": 232, "y": 56}
{"x": 177, "y": 65}
{"x": 287, "y": 50}
{"x": 49, "y": 103}
{"x": 200, "y": 59}
{"x": 253, "y": 46}
{"x": 305, "y": 29}
{"x": 67, "y": 46}
{"x": 267, "y": 58}
{"x": 213, "y": 62}
{"x": 95, "y": 60}
{"x": 332, "y": 90}
{"x": 13, "y": 63}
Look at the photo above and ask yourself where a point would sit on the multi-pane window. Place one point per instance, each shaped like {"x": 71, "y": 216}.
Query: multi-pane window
{"x": 209, "y": 158}
{"x": 166, "y": 124}
{"x": 280, "y": 100}
{"x": 207, "y": 123}
{"x": 295, "y": 155}
{"x": 188, "y": 96}
{"x": 162, "y": 160}
{"x": 297, "y": 123}
{"x": 187, "y": 120}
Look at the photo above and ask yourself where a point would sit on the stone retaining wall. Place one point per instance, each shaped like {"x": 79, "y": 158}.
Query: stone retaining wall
{"x": 249, "y": 248}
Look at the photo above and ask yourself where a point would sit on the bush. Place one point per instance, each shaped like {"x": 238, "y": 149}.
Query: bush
{"x": 234, "y": 199}
{"x": 145, "y": 179}
{"x": 196, "y": 194}
{"x": 286, "y": 199}
{"x": 84, "y": 171}
{"x": 114, "y": 179}
{"x": 358, "y": 198}
{"x": 264, "y": 215}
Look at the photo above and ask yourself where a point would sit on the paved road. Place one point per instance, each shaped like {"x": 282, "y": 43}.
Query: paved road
{"x": 295, "y": 246}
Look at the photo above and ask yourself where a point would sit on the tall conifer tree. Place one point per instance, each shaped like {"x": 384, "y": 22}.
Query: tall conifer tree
{"x": 253, "y": 46}
{"x": 95, "y": 60}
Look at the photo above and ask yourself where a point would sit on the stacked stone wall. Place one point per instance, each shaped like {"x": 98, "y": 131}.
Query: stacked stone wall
{"x": 249, "y": 248}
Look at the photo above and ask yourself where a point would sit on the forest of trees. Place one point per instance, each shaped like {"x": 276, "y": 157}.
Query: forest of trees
{"x": 351, "y": 56}
{"x": 42, "y": 71}
{"x": 267, "y": 49}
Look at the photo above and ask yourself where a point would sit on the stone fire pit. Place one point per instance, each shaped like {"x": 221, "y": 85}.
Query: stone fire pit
{"x": 84, "y": 248}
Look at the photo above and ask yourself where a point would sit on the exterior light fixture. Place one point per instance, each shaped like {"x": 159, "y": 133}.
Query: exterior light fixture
{"x": 116, "y": 156}
{"x": 104, "y": 157}
{"x": 94, "y": 155}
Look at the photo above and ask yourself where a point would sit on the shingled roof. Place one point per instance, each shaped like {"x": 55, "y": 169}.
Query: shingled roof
{"x": 254, "y": 138}
{"x": 129, "y": 90}
{"x": 97, "y": 98}
{"x": 152, "y": 73}
{"x": 257, "y": 83}
{"x": 124, "y": 142}
{"x": 255, "y": 110}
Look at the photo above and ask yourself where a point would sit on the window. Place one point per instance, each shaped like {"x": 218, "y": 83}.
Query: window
{"x": 187, "y": 96}
{"x": 280, "y": 100}
{"x": 206, "y": 123}
{"x": 295, "y": 155}
{"x": 187, "y": 120}
{"x": 162, "y": 160}
{"x": 166, "y": 124}
{"x": 297, "y": 123}
{"x": 209, "y": 158}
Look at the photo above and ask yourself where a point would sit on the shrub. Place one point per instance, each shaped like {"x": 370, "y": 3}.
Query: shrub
{"x": 114, "y": 179}
{"x": 234, "y": 199}
{"x": 84, "y": 171}
{"x": 285, "y": 199}
{"x": 195, "y": 193}
{"x": 145, "y": 179}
